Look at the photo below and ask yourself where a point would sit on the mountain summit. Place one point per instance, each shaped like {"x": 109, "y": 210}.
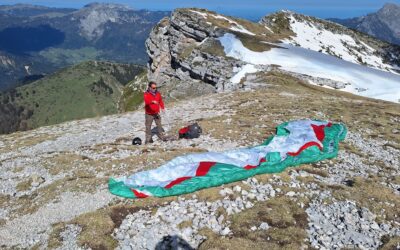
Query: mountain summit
{"x": 384, "y": 24}
{"x": 200, "y": 51}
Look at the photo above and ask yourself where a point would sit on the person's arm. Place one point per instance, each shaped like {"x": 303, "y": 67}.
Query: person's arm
{"x": 147, "y": 100}
{"x": 161, "y": 103}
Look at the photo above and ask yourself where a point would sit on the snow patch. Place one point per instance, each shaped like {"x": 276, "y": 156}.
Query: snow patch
{"x": 363, "y": 80}
{"x": 246, "y": 69}
{"x": 237, "y": 27}
{"x": 312, "y": 37}
{"x": 200, "y": 13}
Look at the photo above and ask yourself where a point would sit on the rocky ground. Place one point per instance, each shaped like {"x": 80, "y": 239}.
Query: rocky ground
{"x": 53, "y": 180}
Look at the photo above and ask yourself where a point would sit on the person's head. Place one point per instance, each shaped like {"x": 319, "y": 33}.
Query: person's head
{"x": 153, "y": 86}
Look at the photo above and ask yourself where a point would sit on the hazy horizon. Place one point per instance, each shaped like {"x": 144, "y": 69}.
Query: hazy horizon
{"x": 251, "y": 9}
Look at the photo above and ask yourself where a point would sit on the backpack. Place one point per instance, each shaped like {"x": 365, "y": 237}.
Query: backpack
{"x": 137, "y": 141}
{"x": 190, "y": 132}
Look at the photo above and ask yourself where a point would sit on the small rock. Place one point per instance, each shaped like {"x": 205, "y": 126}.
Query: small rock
{"x": 237, "y": 189}
{"x": 272, "y": 193}
{"x": 251, "y": 196}
{"x": 37, "y": 180}
{"x": 120, "y": 236}
{"x": 290, "y": 194}
{"x": 253, "y": 228}
{"x": 225, "y": 231}
{"x": 264, "y": 226}
{"x": 375, "y": 226}
{"x": 221, "y": 219}
{"x": 248, "y": 205}
{"x": 228, "y": 191}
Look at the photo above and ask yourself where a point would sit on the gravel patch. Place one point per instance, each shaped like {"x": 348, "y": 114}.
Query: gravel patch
{"x": 145, "y": 230}
{"x": 30, "y": 229}
{"x": 344, "y": 225}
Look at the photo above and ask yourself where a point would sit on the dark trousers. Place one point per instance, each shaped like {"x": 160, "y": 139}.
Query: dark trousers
{"x": 148, "y": 122}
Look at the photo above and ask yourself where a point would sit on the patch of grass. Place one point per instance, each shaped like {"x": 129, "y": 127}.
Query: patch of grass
{"x": 187, "y": 50}
{"x": 60, "y": 56}
{"x": 18, "y": 169}
{"x": 55, "y": 239}
{"x": 280, "y": 24}
{"x": 213, "y": 47}
{"x": 287, "y": 220}
{"x": 132, "y": 94}
{"x": 350, "y": 148}
{"x": 215, "y": 242}
{"x": 253, "y": 43}
{"x": 313, "y": 170}
{"x": 24, "y": 185}
{"x": 185, "y": 224}
{"x": 119, "y": 212}
{"x": 97, "y": 228}
{"x": 390, "y": 243}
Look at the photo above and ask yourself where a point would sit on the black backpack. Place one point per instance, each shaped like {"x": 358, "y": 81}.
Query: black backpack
{"x": 190, "y": 132}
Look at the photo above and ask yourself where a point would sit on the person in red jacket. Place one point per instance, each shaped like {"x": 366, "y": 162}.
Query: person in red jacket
{"x": 153, "y": 104}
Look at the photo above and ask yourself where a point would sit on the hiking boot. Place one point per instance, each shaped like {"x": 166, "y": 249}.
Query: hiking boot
{"x": 149, "y": 141}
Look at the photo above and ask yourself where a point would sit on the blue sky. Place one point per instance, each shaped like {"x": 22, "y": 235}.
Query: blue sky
{"x": 245, "y": 8}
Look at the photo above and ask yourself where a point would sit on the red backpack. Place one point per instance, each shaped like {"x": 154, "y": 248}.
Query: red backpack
{"x": 190, "y": 132}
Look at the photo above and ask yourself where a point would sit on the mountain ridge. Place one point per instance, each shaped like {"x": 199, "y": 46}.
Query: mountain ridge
{"x": 95, "y": 32}
{"x": 382, "y": 24}
{"x": 196, "y": 48}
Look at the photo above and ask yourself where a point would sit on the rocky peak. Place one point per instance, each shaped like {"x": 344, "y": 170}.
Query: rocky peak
{"x": 185, "y": 51}
{"x": 389, "y": 8}
{"x": 106, "y": 6}
{"x": 390, "y": 15}
{"x": 94, "y": 16}
{"x": 383, "y": 24}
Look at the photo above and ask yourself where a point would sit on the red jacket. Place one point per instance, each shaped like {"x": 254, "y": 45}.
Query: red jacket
{"x": 150, "y": 107}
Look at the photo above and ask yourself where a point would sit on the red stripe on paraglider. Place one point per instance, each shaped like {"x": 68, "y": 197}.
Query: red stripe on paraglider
{"x": 248, "y": 167}
{"x": 319, "y": 131}
{"x": 204, "y": 167}
{"x": 177, "y": 181}
{"x": 305, "y": 146}
{"x": 202, "y": 170}
{"x": 139, "y": 194}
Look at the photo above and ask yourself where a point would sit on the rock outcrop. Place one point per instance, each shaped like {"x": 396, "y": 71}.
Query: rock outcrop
{"x": 185, "y": 49}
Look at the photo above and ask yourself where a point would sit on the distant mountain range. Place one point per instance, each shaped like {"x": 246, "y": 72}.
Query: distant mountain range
{"x": 37, "y": 40}
{"x": 384, "y": 24}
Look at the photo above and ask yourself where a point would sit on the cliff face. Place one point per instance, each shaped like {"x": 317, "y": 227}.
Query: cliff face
{"x": 185, "y": 48}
